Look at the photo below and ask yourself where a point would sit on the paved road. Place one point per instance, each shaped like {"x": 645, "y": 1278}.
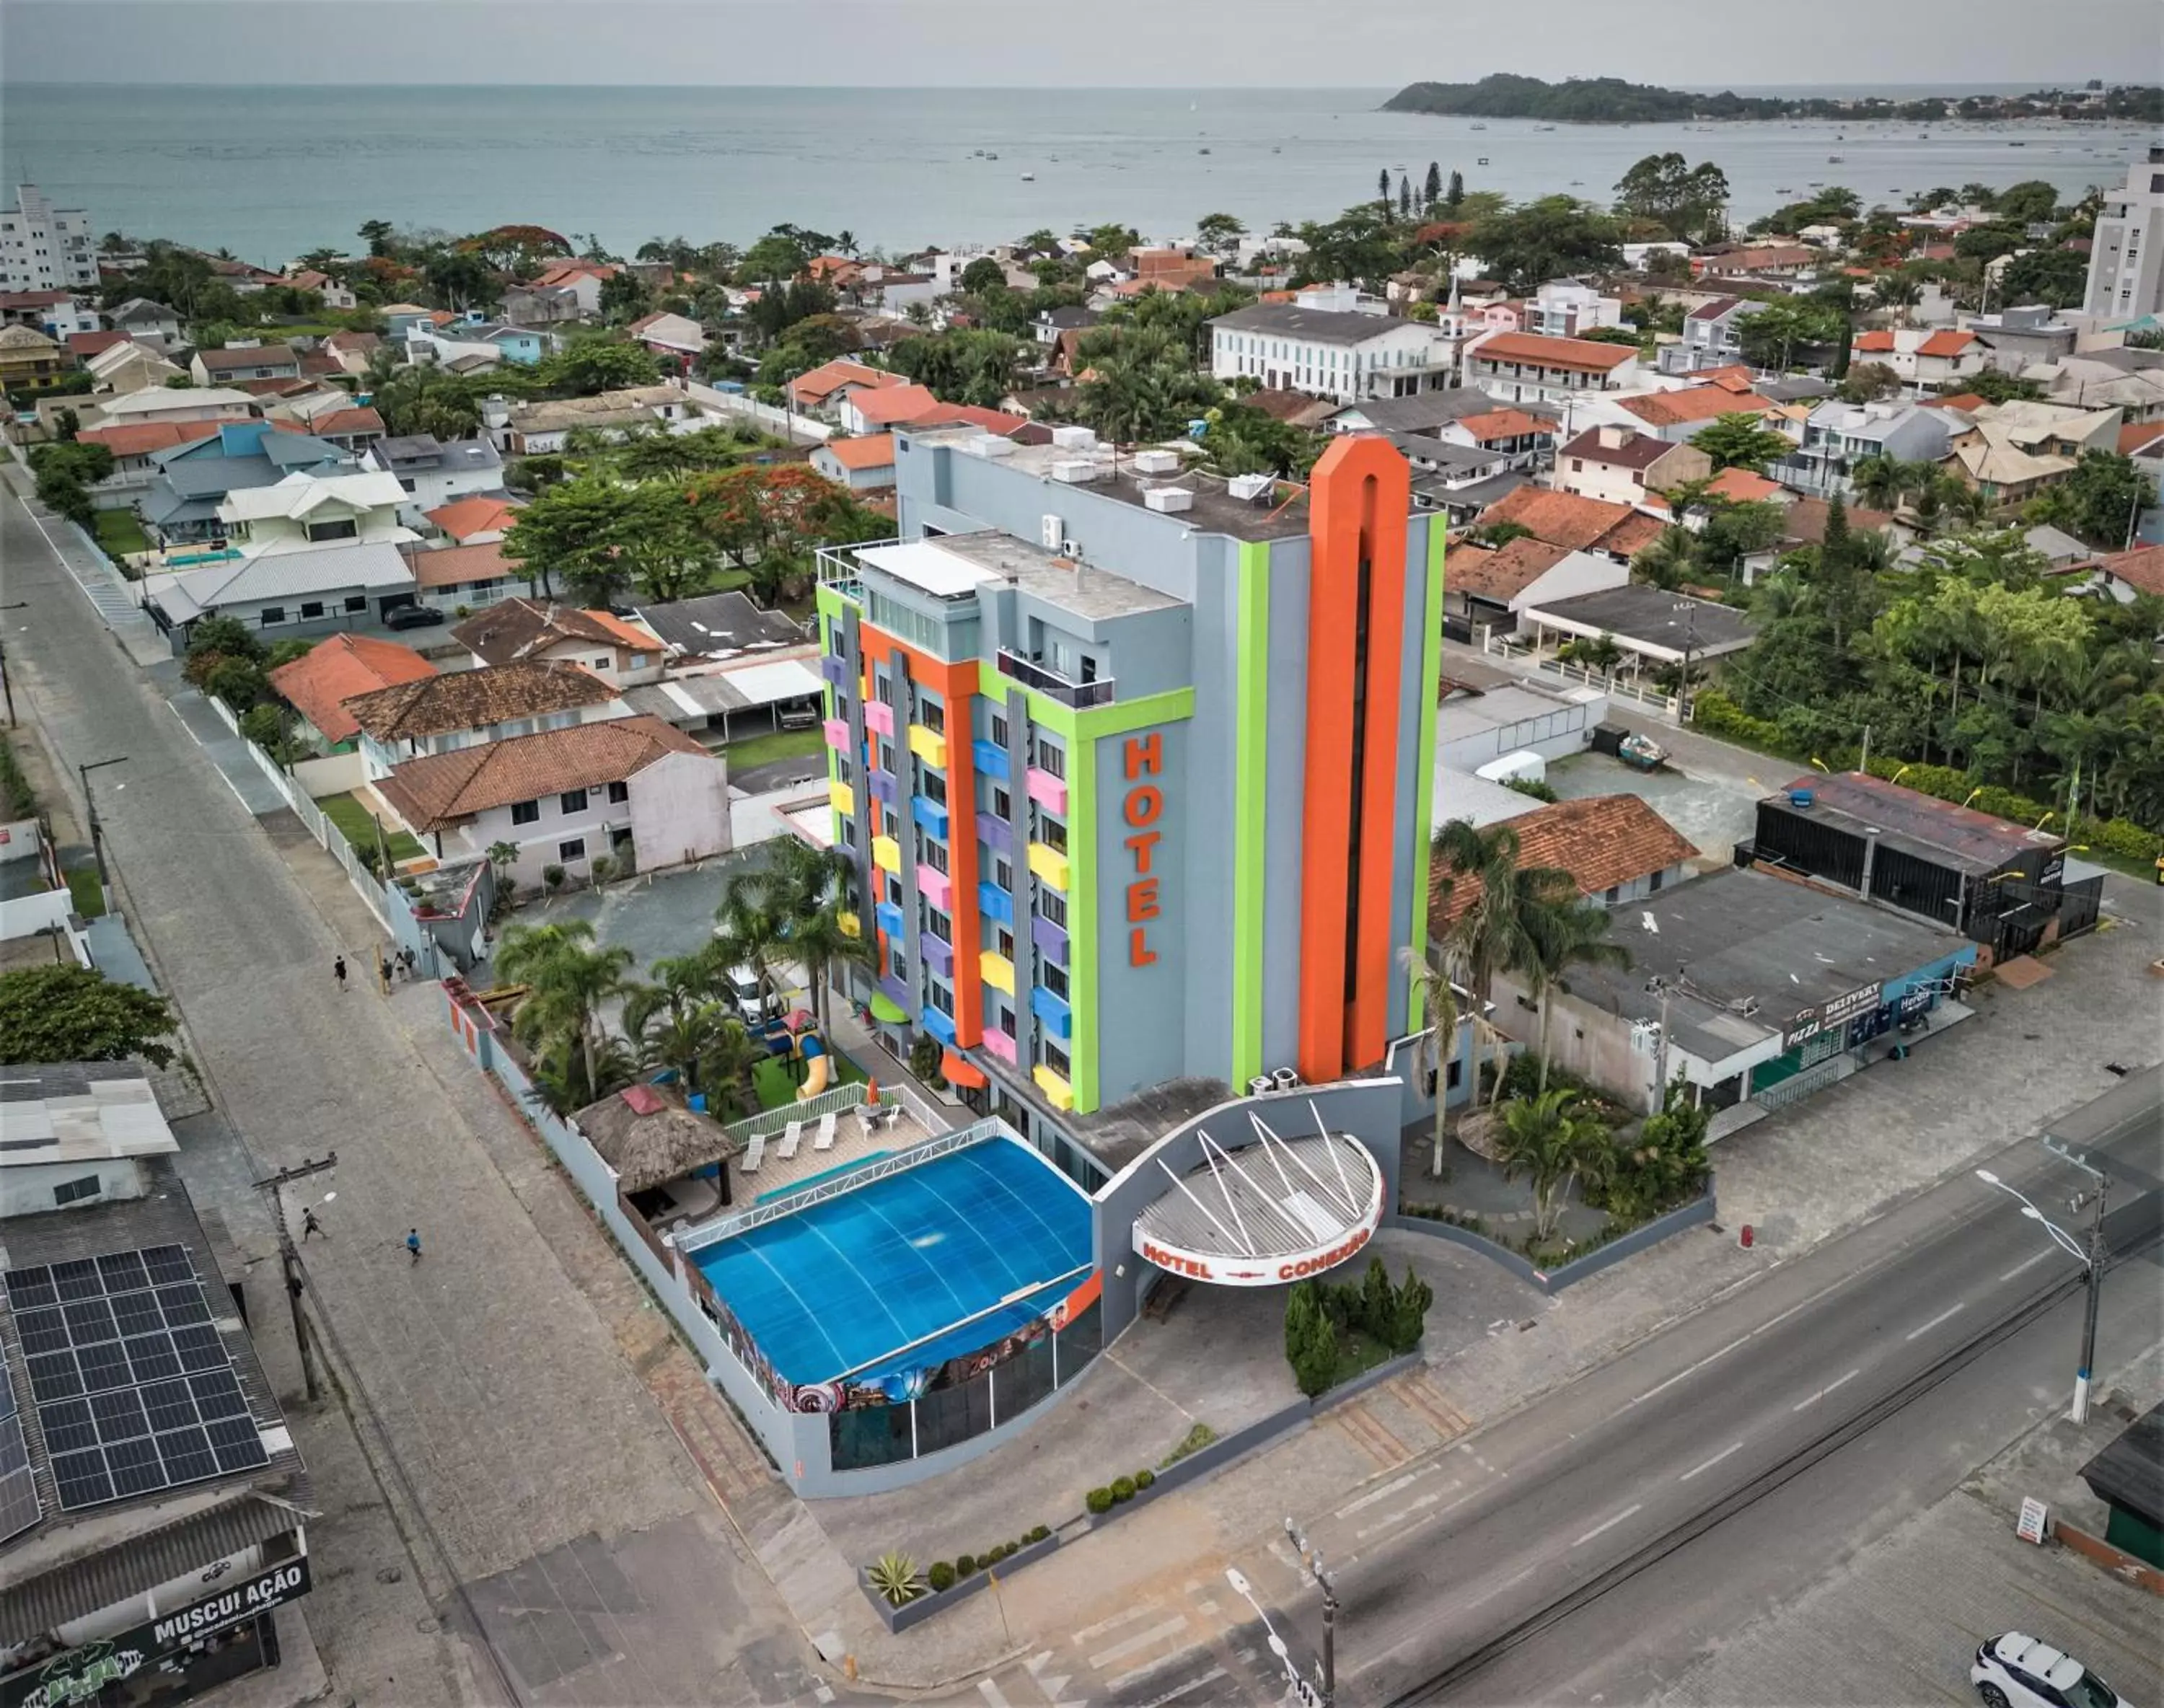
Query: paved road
{"x": 538, "y": 1488}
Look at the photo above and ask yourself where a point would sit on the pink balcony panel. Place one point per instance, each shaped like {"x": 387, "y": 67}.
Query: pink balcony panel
{"x": 1048, "y": 791}
{"x": 999, "y": 1044}
{"x": 837, "y": 733}
{"x": 936, "y": 887}
{"x": 879, "y": 715}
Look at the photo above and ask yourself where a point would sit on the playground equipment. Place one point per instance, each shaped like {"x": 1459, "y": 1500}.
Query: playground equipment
{"x": 817, "y": 1065}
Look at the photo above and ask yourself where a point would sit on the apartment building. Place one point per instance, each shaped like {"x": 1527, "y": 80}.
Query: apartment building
{"x": 44, "y": 248}
{"x": 1523, "y": 367}
{"x": 1322, "y": 344}
{"x": 2126, "y": 251}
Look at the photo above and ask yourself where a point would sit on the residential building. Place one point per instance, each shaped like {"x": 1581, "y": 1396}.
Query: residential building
{"x": 2015, "y": 339}
{"x": 541, "y": 628}
{"x": 1615, "y": 848}
{"x": 1622, "y": 466}
{"x": 435, "y": 714}
{"x": 714, "y": 627}
{"x": 1489, "y": 588}
{"x": 632, "y": 790}
{"x": 821, "y": 391}
{"x": 1920, "y": 355}
{"x": 83, "y": 346}
{"x": 2128, "y": 381}
{"x": 1837, "y": 436}
{"x": 1752, "y": 989}
{"x": 862, "y": 464}
{"x": 1332, "y": 351}
{"x": 1521, "y": 367}
{"x": 1524, "y": 440}
{"x": 193, "y": 403}
{"x": 141, "y": 318}
{"x": 462, "y": 578}
{"x": 30, "y": 361}
{"x": 1999, "y": 884}
{"x": 61, "y": 315}
{"x": 238, "y": 362}
{"x": 1803, "y": 522}
{"x": 666, "y": 334}
{"x": 433, "y": 472}
{"x": 1777, "y": 260}
{"x": 319, "y": 683}
{"x": 2012, "y": 451}
{"x": 1060, "y": 700}
{"x": 1423, "y": 413}
{"x": 471, "y": 346}
{"x": 1050, "y": 323}
{"x": 1576, "y": 524}
{"x": 533, "y": 305}
{"x": 314, "y": 508}
{"x": 706, "y": 700}
{"x": 401, "y": 320}
{"x": 1681, "y": 414}
{"x": 481, "y": 518}
{"x": 191, "y": 480}
{"x": 2127, "y": 576}
{"x": 541, "y": 428}
{"x": 335, "y": 295}
{"x": 44, "y": 248}
{"x": 352, "y": 350}
{"x": 1713, "y": 336}
{"x": 156, "y": 1512}
{"x": 1654, "y": 628}
{"x": 126, "y": 368}
{"x": 1568, "y": 308}
{"x": 2126, "y": 250}
{"x": 583, "y": 279}
{"x": 134, "y": 446}
{"x": 864, "y": 411}
{"x": 309, "y": 591}
{"x": 332, "y": 416}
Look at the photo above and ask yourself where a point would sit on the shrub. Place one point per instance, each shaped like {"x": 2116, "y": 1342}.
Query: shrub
{"x": 1123, "y": 1488}
{"x": 1200, "y": 1437}
{"x": 553, "y": 877}
{"x": 1007, "y": 1548}
{"x": 895, "y": 1578}
{"x": 1407, "y": 1321}
{"x": 964, "y": 1563}
{"x": 1143, "y": 1478}
{"x": 941, "y": 1577}
{"x": 1038, "y": 1534}
{"x": 1310, "y": 1339}
{"x": 1098, "y": 1501}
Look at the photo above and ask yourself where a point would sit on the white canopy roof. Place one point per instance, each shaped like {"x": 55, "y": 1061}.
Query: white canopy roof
{"x": 927, "y": 565}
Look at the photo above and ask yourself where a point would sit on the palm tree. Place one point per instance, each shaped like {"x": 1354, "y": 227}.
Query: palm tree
{"x": 706, "y": 1045}
{"x": 1436, "y": 977}
{"x": 1489, "y": 936}
{"x": 566, "y": 1078}
{"x": 750, "y": 930}
{"x": 1546, "y": 1140}
{"x": 569, "y": 978}
{"x": 1879, "y": 482}
{"x": 1563, "y": 930}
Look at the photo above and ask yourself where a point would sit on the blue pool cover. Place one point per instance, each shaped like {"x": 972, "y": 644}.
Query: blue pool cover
{"x": 908, "y": 1270}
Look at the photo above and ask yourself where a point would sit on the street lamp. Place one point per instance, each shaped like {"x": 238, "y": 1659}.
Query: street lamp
{"x": 90, "y": 801}
{"x": 1304, "y": 1691}
{"x": 2091, "y": 1259}
{"x": 1311, "y": 1559}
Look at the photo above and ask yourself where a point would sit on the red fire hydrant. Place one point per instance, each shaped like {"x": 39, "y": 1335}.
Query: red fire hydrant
{"x": 1743, "y": 1236}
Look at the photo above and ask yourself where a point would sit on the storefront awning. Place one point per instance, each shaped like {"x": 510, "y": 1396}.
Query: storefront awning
{"x": 959, "y": 1070}
{"x": 885, "y": 1010}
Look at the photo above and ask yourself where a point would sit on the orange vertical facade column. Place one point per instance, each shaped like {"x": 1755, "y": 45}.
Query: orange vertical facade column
{"x": 1358, "y": 497}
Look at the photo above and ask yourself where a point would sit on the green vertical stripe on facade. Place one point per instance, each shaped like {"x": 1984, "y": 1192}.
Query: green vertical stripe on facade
{"x": 1250, "y": 799}
{"x": 1424, "y": 781}
{"x": 1082, "y": 923}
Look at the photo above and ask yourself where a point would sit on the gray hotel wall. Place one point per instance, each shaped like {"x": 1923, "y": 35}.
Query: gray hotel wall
{"x": 1285, "y": 822}
{"x": 1370, "y": 1109}
{"x": 1146, "y": 1026}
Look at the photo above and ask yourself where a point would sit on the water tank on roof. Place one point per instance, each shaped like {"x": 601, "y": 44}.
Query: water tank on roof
{"x": 1248, "y": 488}
{"x": 1803, "y": 800}
{"x": 1077, "y": 471}
{"x": 1073, "y": 437}
{"x": 1168, "y": 499}
{"x": 1156, "y": 462}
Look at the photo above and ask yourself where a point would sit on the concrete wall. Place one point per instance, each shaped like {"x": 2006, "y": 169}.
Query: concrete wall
{"x": 25, "y": 916}
{"x": 679, "y": 809}
{"x": 20, "y": 840}
{"x": 339, "y": 775}
{"x": 1370, "y": 1109}
{"x": 27, "y": 1189}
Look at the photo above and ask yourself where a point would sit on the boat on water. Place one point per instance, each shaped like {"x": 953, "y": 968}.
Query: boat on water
{"x": 1479, "y": 127}
{"x": 1029, "y": 177}
{"x": 1202, "y": 150}
{"x": 1483, "y": 160}
{"x": 1833, "y": 159}
{"x": 1544, "y": 127}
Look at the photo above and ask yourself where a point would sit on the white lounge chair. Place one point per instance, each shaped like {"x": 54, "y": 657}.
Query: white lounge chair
{"x": 790, "y": 1140}
{"x": 826, "y": 1138}
{"x": 752, "y": 1157}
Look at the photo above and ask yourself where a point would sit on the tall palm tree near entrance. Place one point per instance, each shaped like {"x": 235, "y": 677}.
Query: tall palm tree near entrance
{"x": 569, "y": 979}
{"x": 1436, "y": 975}
{"x": 1547, "y": 1141}
{"x": 1563, "y": 930}
{"x": 1490, "y": 933}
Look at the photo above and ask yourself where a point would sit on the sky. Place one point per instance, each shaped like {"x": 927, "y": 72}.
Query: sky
{"x": 1178, "y": 43}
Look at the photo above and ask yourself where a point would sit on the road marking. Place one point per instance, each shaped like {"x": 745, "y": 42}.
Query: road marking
{"x": 1148, "y": 1668}
{"x": 1208, "y": 1677}
{"x": 1374, "y": 1495}
{"x": 1710, "y": 1463}
{"x": 1157, "y": 1633}
{"x": 1692, "y": 1371}
{"x": 1598, "y": 1528}
{"x": 1407, "y": 1510}
{"x": 993, "y": 1694}
{"x": 1814, "y": 1399}
{"x": 1775, "y": 1322}
{"x": 2027, "y": 1262}
{"x": 1113, "y": 1624}
{"x": 192, "y": 735}
{"x": 1839, "y": 1381}
{"x": 1507, "y": 1583}
{"x": 1946, "y": 1316}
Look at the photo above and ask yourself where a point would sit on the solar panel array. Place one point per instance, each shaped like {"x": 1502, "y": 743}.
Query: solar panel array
{"x": 20, "y": 1508}
{"x": 133, "y": 1388}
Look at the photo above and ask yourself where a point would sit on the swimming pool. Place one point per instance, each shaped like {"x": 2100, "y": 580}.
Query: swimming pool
{"x": 910, "y": 1269}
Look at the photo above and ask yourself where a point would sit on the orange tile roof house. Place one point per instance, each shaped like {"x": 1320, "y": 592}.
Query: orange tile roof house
{"x": 821, "y": 389}
{"x": 861, "y": 464}
{"x": 317, "y": 684}
{"x": 460, "y": 708}
{"x": 464, "y": 574}
{"x": 524, "y": 628}
{"x": 631, "y": 790}
{"x": 1614, "y": 848}
{"x": 1576, "y": 524}
{"x": 475, "y": 519}
{"x": 2127, "y": 573}
{"x": 867, "y": 412}
{"x": 1529, "y": 367}
{"x": 1677, "y": 415}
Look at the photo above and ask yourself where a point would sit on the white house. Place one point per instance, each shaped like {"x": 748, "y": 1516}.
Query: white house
{"x": 432, "y": 472}
{"x": 1320, "y": 345}
{"x": 305, "y": 510}
{"x": 140, "y": 318}
{"x": 1566, "y": 308}
{"x": 864, "y": 465}
{"x": 668, "y": 335}
{"x": 1523, "y": 367}
{"x": 632, "y": 788}
{"x": 1921, "y": 354}
{"x": 442, "y": 713}
{"x": 312, "y": 590}
{"x": 44, "y": 248}
{"x": 191, "y": 403}
{"x": 1621, "y": 466}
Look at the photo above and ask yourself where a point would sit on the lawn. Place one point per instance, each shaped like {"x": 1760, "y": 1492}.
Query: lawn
{"x": 88, "y": 893}
{"x": 781, "y": 745}
{"x": 119, "y": 533}
{"x": 357, "y": 828}
{"x": 776, "y": 1085}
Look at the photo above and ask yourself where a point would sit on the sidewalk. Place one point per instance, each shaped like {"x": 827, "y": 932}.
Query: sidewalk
{"x": 94, "y": 575}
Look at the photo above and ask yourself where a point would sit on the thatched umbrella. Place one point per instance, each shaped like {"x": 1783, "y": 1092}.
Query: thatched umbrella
{"x": 650, "y": 1137}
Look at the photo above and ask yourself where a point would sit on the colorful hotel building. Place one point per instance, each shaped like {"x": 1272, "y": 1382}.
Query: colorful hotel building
{"x": 1135, "y": 765}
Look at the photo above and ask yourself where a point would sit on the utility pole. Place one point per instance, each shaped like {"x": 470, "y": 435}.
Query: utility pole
{"x": 1863, "y": 765}
{"x": 289, "y": 1256}
{"x": 2094, "y": 1199}
{"x": 1311, "y": 1559}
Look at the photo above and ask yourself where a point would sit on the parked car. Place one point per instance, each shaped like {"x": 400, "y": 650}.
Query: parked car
{"x": 412, "y": 617}
{"x": 2015, "y": 1671}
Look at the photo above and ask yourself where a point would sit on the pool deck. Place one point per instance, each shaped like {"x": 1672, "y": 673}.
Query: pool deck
{"x": 776, "y": 1174}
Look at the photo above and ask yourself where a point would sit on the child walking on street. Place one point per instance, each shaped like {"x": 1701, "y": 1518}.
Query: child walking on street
{"x": 413, "y": 1244}
{"x": 338, "y": 972}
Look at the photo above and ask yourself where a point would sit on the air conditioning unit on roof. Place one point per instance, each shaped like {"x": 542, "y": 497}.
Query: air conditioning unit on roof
{"x": 1073, "y": 437}
{"x": 1248, "y": 488}
{"x": 1167, "y": 500}
{"x": 990, "y": 445}
{"x": 1050, "y": 531}
{"x": 1076, "y": 471}
{"x": 1155, "y": 462}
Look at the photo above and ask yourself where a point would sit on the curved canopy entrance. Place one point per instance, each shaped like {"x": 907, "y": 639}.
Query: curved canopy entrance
{"x": 1270, "y": 1212}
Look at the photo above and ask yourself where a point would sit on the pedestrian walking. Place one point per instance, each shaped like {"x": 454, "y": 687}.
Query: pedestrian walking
{"x": 337, "y": 971}
{"x": 309, "y": 1224}
{"x": 413, "y": 1244}
{"x": 383, "y": 970}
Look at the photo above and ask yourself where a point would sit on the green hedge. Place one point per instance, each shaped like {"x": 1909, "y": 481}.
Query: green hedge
{"x": 1715, "y": 714}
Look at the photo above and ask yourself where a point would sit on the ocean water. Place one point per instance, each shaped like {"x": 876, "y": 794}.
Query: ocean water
{"x": 271, "y": 173}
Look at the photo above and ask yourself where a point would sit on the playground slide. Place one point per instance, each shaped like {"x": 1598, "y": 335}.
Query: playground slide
{"x": 816, "y": 1068}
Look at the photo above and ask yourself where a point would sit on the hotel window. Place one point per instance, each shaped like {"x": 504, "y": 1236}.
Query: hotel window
{"x": 1055, "y": 980}
{"x": 1052, "y": 1056}
{"x": 930, "y": 852}
{"x": 897, "y": 966}
{"x": 886, "y": 755}
{"x": 930, "y": 918}
{"x": 935, "y": 787}
{"x": 938, "y": 995}
{"x": 1051, "y": 760}
{"x": 1052, "y": 907}
{"x": 889, "y": 826}
{"x": 999, "y": 730}
{"x": 1003, "y": 874}
{"x": 932, "y": 714}
{"x": 1046, "y": 829}
{"x": 1002, "y": 802}
{"x": 1003, "y": 941}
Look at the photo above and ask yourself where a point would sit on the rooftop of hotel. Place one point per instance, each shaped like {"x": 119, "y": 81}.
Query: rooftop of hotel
{"x": 1074, "y": 585}
{"x": 1281, "y": 513}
